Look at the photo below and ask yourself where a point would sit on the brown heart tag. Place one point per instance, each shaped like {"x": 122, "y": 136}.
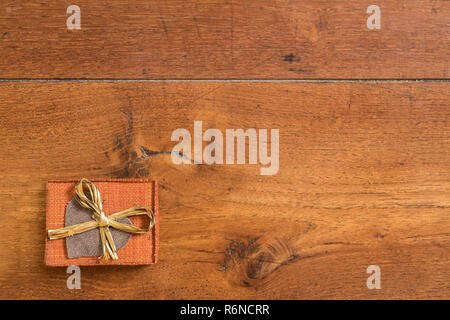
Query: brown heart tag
{"x": 88, "y": 244}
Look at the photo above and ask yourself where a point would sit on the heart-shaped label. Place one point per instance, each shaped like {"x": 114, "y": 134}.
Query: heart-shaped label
{"x": 88, "y": 244}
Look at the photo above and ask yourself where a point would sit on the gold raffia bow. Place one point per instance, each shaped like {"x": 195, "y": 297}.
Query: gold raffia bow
{"x": 101, "y": 220}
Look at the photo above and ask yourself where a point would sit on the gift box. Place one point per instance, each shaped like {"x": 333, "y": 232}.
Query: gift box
{"x": 85, "y": 248}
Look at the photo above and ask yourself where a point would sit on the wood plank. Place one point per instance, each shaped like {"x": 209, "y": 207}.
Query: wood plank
{"x": 363, "y": 180}
{"x": 212, "y": 39}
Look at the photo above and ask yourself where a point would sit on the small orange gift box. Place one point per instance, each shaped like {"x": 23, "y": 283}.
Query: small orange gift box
{"x": 116, "y": 195}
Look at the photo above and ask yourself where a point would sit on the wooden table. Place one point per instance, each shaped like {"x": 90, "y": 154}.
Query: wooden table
{"x": 364, "y": 136}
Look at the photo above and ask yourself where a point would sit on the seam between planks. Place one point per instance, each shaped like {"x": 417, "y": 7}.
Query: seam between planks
{"x": 222, "y": 80}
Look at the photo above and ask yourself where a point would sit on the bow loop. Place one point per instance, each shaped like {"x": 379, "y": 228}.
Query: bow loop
{"x": 91, "y": 201}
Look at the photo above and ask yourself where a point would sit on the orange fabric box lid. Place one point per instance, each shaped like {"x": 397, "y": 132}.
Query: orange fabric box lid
{"x": 117, "y": 195}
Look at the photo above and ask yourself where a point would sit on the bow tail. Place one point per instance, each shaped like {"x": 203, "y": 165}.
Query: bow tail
{"x": 108, "y": 246}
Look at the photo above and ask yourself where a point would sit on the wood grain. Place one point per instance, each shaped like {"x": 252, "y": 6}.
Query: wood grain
{"x": 212, "y": 39}
{"x": 363, "y": 179}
